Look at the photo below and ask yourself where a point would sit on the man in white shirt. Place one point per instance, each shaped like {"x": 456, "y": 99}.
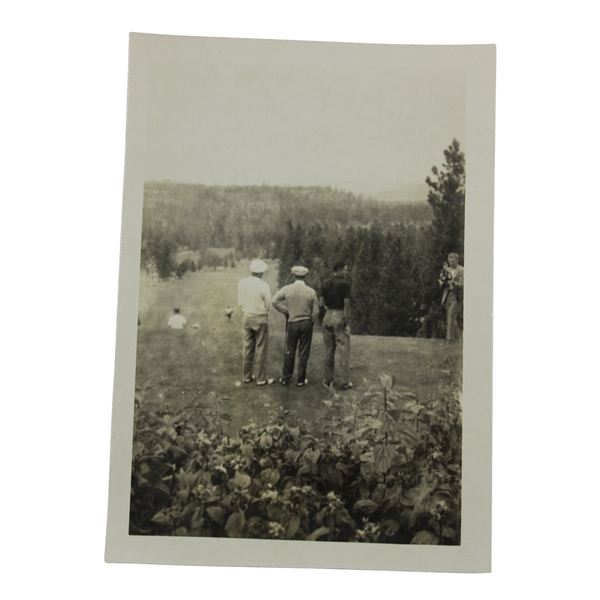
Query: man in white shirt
{"x": 254, "y": 297}
{"x": 300, "y": 305}
{"x": 176, "y": 321}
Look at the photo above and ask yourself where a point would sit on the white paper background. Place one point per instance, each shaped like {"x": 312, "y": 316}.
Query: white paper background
{"x": 62, "y": 135}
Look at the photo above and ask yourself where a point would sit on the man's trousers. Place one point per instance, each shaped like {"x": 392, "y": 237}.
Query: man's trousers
{"x": 255, "y": 344}
{"x": 336, "y": 338}
{"x": 453, "y": 308}
{"x": 298, "y": 337}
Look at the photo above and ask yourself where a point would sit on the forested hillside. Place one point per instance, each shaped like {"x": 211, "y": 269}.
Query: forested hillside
{"x": 394, "y": 250}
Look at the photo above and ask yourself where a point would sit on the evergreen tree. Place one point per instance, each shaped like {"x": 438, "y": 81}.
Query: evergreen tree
{"x": 365, "y": 280}
{"x": 447, "y": 199}
{"x": 395, "y": 291}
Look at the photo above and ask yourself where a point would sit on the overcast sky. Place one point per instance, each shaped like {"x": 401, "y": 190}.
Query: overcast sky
{"x": 363, "y": 128}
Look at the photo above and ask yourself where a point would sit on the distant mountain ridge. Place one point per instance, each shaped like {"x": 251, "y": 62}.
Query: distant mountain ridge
{"x": 413, "y": 191}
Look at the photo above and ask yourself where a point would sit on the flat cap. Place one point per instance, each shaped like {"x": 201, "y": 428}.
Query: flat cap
{"x": 300, "y": 271}
{"x": 258, "y": 266}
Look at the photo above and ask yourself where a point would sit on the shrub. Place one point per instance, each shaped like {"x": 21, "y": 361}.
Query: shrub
{"x": 384, "y": 469}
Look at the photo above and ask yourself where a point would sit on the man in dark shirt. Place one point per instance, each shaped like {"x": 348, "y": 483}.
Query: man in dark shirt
{"x": 335, "y": 297}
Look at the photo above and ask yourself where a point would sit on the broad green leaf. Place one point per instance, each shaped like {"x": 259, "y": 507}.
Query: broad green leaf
{"x": 183, "y": 495}
{"x": 390, "y": 527}
{"x": 449, "y": 533}
{"x": 307, "y": 467}
{"x": 160, "y": 518}
{"x": 248, "y": 451}
{"x": 291, "y": 526}
{"x": 410, "y": 497}
{"x": 241, "y": 480}
{"x": 274, "y": 512}
{"x": 313, "y": 455}
{"x": 216, "y": 513}
{"x": 234, "y": 528}
{"x": 379, "y": 493}
{"x": 425, "y": 537}
{"x": 383, "y": 456}
{"x": 291, "y": 455}
{"x": 367, "y": 457}
{"x": 177, "y": 451}
{"x": 255, "y": 527}
{"x": 317, "y": 533}
{"x": 367, "y": 470}
{"x": 355, "y": 449}
{"x": 328, "y": 403}
{"x": 332, "y": 475}
{"x": 367, "y": 506}
{"x": 197, "y": 521}
{"x": 181, "y": 531}
{"x": 275, "y": 476}
{"x": 266, "y": 441}
{"x": 342, "y": 468}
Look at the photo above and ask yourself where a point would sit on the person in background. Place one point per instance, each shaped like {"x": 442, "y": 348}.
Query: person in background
{"x": 300, "y": 305}
{"x": 176, "y": 321}
{"x": 452, "y": 278}
{"x": 228, "y": 313}
{"x": 335, "y": 298}
{"x": 254, "y": 298}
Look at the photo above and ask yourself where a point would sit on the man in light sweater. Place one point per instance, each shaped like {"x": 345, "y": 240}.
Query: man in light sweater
{"x": 300, "y": 305}
{"x": 254, "y": 297}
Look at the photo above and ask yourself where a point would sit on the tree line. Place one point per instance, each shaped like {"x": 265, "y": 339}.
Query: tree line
{"x": 395, "y": 251}
{"x": 394, "y": 267}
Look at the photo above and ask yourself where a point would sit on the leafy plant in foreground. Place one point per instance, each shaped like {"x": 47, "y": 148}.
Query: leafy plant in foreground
{"x": 384, "y": 468}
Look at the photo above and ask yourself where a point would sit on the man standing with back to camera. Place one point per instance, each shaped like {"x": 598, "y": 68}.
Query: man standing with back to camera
{"x": 300, "y": 305}
{"x": 254, "y": 297}
{"x": 335, "y": 297}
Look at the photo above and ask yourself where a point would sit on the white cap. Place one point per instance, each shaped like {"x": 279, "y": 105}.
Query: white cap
{"x": 300, "y": 271}
{"x": 258, "y": 266}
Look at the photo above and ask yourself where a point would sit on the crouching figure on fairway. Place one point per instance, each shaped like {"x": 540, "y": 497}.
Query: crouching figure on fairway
{"x": 254, "y": 297}
{"x": 335, "y": 298}
{"x": 176, "y": 320}
{"x": 300, "y": 305}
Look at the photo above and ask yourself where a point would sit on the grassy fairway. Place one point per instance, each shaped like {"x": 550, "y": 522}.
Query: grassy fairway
{"x": 209, "y": 358}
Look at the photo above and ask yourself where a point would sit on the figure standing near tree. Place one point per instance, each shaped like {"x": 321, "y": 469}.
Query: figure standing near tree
{"x": 452, "y": 278}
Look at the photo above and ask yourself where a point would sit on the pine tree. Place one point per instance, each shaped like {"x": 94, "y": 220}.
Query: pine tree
{"x": 447, "y": 199}
{"x": 365, "y": 280}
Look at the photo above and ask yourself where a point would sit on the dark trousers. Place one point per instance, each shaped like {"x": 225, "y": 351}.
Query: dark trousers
{"x": 298, "y": 337}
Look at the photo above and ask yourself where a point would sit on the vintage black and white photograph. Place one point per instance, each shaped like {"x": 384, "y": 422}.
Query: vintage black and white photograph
{"x": 302, "y": 280}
